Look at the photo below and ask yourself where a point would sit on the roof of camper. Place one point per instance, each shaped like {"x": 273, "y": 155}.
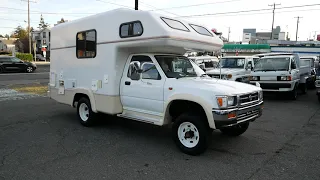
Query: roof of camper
{"x": 121, "y": 11}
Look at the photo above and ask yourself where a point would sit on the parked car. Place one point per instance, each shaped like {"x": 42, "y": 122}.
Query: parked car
{"x": 205, "y": 62}
{"x": 13, "y": 64}
{"x": 39, "y": 57}
{"x": 312, "y": 60}
{"x": 317, "y": 83}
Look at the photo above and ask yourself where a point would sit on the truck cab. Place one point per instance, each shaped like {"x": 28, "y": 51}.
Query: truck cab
{"x": 234, "y": 68}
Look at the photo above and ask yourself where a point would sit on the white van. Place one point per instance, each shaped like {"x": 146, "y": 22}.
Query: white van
{"x": 206, "y": 62}
{"x": 282, "y": 73}
{"x": 133, "y": 67}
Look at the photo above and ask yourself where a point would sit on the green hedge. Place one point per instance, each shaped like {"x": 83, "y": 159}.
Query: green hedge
{"x": 25, "y": 56}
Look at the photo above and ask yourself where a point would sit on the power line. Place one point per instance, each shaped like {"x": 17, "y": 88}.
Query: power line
{"x": 194, "y": 5}
{"x": 274, "y": 7}
{"x": 253, "y": 10}
{"x": 108, "y": 2}
{"x": 298, "y": 18}
{"x": 155, "y": 7}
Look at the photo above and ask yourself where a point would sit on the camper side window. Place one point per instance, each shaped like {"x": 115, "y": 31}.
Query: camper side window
{"x": 131, "y": 29}
{"x": 86, "y": 44}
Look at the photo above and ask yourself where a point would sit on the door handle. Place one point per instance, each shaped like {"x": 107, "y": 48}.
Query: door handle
{"x": 127, "y": 83}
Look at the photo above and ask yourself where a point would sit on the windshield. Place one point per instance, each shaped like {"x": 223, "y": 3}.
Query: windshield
{"x": 232, "y": 62}
{"x": 272, "y": 64}
{"x": 178, "y": 66}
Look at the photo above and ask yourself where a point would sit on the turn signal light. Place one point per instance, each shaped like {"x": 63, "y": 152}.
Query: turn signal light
{"x": 232, "y": 115}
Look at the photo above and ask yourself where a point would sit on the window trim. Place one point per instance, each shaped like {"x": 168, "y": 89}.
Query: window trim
{"x": 191, "y": 25}
{"x": 188, "y": 30}
{"x": 128, "y": 23}
{"x": 86, "y": 57}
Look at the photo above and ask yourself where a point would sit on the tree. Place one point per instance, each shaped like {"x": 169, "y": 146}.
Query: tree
{"x": 20, "y": 32}
{"x": 1, "y": 36}
{"x": 42, "y": 24}
{"x": 7, "y": 36}
{"x": 61, "y": 21}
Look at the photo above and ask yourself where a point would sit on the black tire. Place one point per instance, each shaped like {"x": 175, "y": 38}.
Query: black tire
{"x": 293, "y": 94}
{"x": 202, "y": 130}
{"x": 91, "y": 116}
{"x": 319, "y": 98}
{"x": 304, "y": 88}
{"x": 1, "y": 70}
{"x": 236, "y": 130}
{"x": 29, "y": 69}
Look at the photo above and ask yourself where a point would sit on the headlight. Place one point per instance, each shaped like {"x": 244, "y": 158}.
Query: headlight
{"x": 229, "y": 76}
{"x": 226, "y": 101}
{"x": 254, "y": 78}
{"x": 284, "y": 78}
{"x": 260, "y": 95}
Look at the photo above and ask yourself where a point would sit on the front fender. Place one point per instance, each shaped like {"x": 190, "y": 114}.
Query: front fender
{"x": 205, "y": 104}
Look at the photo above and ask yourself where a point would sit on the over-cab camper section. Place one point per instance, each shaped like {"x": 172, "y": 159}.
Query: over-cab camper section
{"x": 92, "y": 51}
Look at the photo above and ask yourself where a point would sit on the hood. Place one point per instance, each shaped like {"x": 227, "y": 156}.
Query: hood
{"x": 218, "y": 86}
{"x": 233, "y": 71}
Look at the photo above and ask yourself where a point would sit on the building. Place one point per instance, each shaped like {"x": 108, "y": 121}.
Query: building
{"x": 251, "y": 36}
{"x": 7, "y": 45}
{"x": 41, "y": 39}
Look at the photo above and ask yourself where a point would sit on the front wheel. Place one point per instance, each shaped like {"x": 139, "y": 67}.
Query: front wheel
{"x": 29, "y": 69}
{"x": 1, "y": 70}
{"x": 191, "y": 134}
{"x": 304, "y": 88}
{"x": 236, "y": 130}
{"x": 293, "y": 94}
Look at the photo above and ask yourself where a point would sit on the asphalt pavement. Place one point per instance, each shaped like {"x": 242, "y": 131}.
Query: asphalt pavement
{"x": 40, "y": 76}
{"x": 42, "y": 139}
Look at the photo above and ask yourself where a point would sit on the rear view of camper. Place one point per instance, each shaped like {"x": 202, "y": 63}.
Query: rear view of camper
{"x": 133, "y": 67}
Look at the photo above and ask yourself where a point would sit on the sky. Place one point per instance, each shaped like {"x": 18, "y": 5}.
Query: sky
{"x": 14, "y": 13}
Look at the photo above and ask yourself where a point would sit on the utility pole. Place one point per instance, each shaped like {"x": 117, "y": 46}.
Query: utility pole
{"x": 228, "y": 34}
{"x": 29, "y": 36}
{"x": 136, "y": 3}
{"x": 274, "y": 8}
{"x": 298, "y": 18}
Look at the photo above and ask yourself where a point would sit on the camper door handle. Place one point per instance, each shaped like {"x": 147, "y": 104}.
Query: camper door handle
{"x": 127, "y": 83}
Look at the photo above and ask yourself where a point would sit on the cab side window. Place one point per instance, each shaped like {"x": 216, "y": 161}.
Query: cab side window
{"x": 293, "y": 64}
{"x": 145, "y": 64}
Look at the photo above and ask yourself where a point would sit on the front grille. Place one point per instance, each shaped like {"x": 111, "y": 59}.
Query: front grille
{"x": 275, "y": 86}
{"x": 214, "y": 76}
{"x": 248, "y": 115}
{"x": 247, "y": 98}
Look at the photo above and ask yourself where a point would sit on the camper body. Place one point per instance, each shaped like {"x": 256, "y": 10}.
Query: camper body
{"x": 134, "y": 67}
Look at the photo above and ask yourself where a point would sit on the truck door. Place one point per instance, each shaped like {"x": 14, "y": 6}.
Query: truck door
{"x": 142, "y": 92}
{"x": 294, "y": 70}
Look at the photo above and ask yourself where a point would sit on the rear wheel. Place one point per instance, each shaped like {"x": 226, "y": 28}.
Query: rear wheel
{"x": 191, "y": 134}
{"x": 1, "y": 69}
{"x": 236, "y": 130}
{"x": 85, "y": 114}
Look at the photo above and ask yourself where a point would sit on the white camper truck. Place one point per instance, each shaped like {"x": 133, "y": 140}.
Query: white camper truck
{"x": 132, "y": 66}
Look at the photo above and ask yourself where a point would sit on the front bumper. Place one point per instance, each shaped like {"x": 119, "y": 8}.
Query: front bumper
{"x": 275, "y": 86}
{"x": 238, "y": 115}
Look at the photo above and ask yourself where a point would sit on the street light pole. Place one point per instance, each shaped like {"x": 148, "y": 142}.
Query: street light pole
{"x": 298, "y": 18}
{"x": 274, "y": 8}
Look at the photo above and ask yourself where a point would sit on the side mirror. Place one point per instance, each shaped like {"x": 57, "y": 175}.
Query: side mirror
{"x": 135, "y": 76}
{"x": 204, "y": 70}
{"x": 136, "y": 65}
{"x": 201, "y": 66}
{"x": 249, "y": 67}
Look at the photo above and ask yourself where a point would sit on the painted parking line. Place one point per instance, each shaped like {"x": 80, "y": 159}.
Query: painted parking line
{"x": 12, "y": 74}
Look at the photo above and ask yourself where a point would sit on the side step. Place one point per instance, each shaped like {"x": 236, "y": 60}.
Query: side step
{"x": 145, "y": 120}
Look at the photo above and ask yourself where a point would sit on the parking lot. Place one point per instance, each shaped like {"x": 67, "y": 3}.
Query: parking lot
{"x": 42, "y": 139}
